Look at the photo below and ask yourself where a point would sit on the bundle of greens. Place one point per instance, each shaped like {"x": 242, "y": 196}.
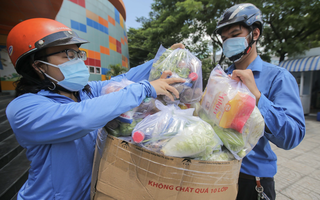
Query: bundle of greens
{"x": 173, "y": 60}
{"x": 232, "y": 140}
{"x": 118, "y": 128}
{"x": 219, "y": 155}
{"x": 184, "y": 65}
{"x": 239, "y": 144}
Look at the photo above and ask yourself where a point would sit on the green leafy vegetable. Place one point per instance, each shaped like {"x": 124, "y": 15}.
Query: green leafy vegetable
{"x": 217, "y": 155}
{"x": 232, "y": 139}
{"x": 126, "y": 128}
{"x": 174, "y": 63}
{"x": 205, "y": 117}
{"x": 118, "y": 128}
{"x": 112, "y": 128}
{"x": 240, "y": 144}
{"x": 196, "y": 139}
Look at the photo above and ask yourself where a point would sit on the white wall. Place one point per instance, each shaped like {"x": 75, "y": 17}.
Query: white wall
{"x": 311, "y": 52}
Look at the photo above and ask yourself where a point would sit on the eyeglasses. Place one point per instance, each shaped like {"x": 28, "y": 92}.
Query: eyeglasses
{"x": 71, "y": 54}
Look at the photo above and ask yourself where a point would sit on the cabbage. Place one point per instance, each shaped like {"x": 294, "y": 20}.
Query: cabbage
{"x": 127, "y": 128}
{"x": 254, "y": 126}
{"x": 196, "y": 139}
{"x": 223, "y": 155}
{"x": 239, "y": 144}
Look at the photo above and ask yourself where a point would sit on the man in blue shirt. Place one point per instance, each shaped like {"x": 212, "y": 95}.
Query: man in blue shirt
{"x": 277, "y": 97}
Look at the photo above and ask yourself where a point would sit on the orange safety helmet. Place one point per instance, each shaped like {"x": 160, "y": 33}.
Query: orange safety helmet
{"x": 35, "y": 34}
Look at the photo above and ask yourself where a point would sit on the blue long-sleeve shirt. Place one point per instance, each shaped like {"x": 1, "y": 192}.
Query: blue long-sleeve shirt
{"x": 282, "y": 111}
{"x": 60, "y": 134}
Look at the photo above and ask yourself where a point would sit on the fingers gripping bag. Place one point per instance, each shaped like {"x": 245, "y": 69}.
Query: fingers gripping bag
{"x": 175, "y": 132}
{"x": 229, "y": 107}
{"x": 182, "y": 64}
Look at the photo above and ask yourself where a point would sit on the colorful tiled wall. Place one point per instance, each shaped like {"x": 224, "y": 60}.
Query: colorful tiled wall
{"x": 99, "y": 22}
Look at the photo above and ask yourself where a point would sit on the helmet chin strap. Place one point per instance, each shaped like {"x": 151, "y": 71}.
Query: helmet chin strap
{"x": 245, "y": 52}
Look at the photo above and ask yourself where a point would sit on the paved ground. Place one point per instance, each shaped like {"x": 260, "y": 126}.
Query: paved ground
{"x": 298, "y": 176}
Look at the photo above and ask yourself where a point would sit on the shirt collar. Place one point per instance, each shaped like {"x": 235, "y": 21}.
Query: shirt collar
{"x": 55, "y": 96}
{"x": 47, "y": 93}
{"x": 255, "y": 65}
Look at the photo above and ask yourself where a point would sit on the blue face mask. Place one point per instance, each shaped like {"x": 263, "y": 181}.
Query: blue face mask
{"x": 234, "y": 46}
{"x": 75, "y": 72}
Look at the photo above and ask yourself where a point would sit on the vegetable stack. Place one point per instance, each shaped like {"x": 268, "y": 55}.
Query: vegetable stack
{"x": 184, "y": 65}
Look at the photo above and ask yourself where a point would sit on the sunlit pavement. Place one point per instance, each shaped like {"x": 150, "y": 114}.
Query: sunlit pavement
{"x": 298, "y": 176}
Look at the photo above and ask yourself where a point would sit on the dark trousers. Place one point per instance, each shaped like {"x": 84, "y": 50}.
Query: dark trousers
{"x": 247, "y": 189}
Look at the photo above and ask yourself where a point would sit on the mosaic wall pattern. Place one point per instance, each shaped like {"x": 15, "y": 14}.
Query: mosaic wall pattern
{"x": 99, "y": 22}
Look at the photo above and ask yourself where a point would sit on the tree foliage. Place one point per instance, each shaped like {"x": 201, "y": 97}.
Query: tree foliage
{"x": 137, "y": 50}
{"x": 291, "y": 27}
{"x": 115, "y": 70}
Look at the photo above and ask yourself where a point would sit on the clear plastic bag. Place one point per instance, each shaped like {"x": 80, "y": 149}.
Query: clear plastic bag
{"x": 117, "y": 128}
{"x": 229, "y": 107}
{"x": 147, "y": 107}
{"x": 175, "y": 132}
{"x": 219, "y": 155}
{"x": 115, "y": 86}
{"x": 182, "y": 64}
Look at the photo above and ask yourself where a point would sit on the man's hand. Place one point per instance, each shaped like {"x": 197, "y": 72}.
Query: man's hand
{"x": 177, "y": 45}
{"x": 162, "y": 85}
{"x": 246, "y": 76}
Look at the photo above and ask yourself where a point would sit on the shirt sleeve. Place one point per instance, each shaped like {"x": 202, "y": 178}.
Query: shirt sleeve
{"x": 141, "y": 72}
{"x": 135, "y": 74}
{"x": 36, "y": 119}
{"x": 283, "y": 112}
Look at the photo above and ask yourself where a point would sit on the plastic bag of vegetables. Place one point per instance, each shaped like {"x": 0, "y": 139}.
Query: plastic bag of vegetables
{"x": 115, "y": 86}
{"x": 145, "y": 108}
{"x": 228, "y": 103}
{"x": 182, "y": 64}
{"x": 219, "y": 155}
{"x": 117, "y": 128}
{"x": 229, "y": 107}
{"x": 196, "y": 107}
{"x": 175, "y": 132}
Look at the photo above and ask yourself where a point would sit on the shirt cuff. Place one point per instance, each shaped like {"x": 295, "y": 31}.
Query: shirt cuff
{"x": 264, "y": 105}
{"x": 150, "y": 91}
